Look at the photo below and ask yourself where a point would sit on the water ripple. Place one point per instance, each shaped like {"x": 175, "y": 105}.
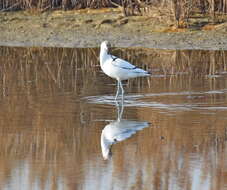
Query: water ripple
{"x": 143, "y": 100}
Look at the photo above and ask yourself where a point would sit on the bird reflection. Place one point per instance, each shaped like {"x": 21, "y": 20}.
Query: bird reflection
{"x": 119, "y": 130}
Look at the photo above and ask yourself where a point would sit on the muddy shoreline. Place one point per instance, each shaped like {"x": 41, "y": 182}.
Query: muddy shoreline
{"x": 89, "y": 27}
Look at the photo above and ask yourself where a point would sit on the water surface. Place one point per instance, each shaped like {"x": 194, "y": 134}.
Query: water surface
{"x": 55, "y": 102}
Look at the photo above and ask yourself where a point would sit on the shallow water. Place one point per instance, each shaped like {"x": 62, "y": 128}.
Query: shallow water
{"x": 56, "y": 102}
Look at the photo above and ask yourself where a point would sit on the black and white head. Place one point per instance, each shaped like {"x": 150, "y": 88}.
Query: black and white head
{"x": 105, "y": 45}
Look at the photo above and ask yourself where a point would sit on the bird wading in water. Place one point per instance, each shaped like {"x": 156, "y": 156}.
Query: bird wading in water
{"x": 117, "y": 68}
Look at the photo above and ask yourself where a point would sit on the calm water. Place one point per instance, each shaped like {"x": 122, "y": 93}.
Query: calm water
{"x": 56, "y": 102}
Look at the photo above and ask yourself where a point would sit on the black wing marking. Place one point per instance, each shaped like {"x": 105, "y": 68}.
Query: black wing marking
{"x": 127, "y": 68}
{"x": 114, "y": 58}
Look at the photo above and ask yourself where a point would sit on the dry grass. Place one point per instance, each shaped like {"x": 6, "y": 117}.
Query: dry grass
{"x": 181, "y": 10}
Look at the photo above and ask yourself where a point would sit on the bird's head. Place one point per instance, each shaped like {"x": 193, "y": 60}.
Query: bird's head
{"x": 105, "y": 45}
{"x": 106, "y": 153}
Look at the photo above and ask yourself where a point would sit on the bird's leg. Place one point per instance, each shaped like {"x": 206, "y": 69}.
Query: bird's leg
{"x": 118, "y": 87}
{"x": 118, "y": 110}
{"x": 122, "y": 93}
{"x": 121, "y": 111}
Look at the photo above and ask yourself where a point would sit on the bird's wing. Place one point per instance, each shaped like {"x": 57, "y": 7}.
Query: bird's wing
{"x": 124, "y": 135}
{"x": 125, "y": 129}
{"x": 120, "y": 63}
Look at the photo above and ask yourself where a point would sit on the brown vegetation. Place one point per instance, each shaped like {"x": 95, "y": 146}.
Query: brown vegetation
{"x": 180, "y": 10}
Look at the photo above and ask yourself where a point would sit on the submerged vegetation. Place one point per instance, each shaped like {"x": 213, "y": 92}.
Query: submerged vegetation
{"x": 179, "y": 10}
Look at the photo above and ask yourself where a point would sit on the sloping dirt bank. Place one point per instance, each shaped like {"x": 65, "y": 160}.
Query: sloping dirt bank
{"x": 87, "y": 28}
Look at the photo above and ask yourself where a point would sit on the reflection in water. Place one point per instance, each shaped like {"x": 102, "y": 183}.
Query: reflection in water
{"x": 51, "y": 103}
{"x": 118, "y": 130}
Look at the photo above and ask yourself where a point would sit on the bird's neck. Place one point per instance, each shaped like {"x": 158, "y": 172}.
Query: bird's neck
{"x": 103, "y": 56}
{"x": 105, "y": 145}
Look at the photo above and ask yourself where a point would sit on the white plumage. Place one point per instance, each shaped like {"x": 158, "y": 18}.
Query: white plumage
{"x": 118, "y": 131}
{"x": 117, "y": 68}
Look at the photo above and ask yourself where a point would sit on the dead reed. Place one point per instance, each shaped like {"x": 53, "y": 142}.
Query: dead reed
{"x": 180, "y": 10}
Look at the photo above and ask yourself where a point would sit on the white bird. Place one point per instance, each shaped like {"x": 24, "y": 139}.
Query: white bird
{"x": 117, "y": 68}
{"x": 118, "y": 131}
